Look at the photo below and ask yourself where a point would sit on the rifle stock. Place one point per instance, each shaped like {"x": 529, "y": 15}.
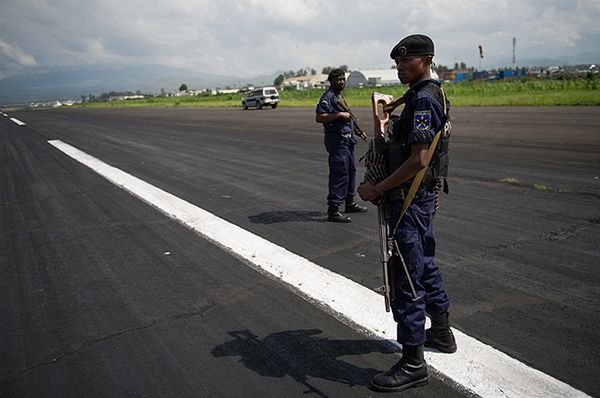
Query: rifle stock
{"x": 380, "y": 121}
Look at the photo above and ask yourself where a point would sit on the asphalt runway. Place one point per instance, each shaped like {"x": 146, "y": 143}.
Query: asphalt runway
{"x": 102, "y": 295}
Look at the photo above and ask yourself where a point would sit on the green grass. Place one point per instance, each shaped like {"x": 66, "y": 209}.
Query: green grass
{"x": 525, "y": 92}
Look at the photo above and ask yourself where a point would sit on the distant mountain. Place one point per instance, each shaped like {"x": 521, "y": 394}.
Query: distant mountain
{"x": 71, "y": 83}
{"x": 579, "y": 59}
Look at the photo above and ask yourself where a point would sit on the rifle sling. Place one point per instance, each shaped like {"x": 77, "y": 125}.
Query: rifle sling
{"x": 414, "y": 186}
{"x": 389, "y": 108}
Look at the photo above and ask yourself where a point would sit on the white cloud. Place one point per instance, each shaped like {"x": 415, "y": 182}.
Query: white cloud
{"x": 262, "y": 36}
{"x": 296, "y": 12}
{"x": 12, "y": 54}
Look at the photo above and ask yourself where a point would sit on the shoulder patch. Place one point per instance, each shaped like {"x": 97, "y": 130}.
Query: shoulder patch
{"x": 423, "y": 120}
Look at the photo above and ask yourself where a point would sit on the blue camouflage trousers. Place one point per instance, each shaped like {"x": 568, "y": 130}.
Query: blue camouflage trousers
{"x": 415, "y": 240}
{"x": 342, "y": 171}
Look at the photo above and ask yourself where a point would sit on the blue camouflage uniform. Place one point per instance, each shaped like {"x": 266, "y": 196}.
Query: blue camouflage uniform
{"x": 339, "y": 143}
{"x": 421, "y": 118}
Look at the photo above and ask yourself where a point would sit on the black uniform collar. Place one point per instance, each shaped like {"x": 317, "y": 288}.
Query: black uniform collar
{"x": 422, "y": 83}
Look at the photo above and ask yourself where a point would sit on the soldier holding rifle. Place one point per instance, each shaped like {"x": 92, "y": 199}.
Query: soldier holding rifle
{"x": 340, "y": 127}
{"x": 417, "y": 156}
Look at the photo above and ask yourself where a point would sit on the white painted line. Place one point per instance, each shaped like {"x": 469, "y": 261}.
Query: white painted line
{"x": 476, "y": 366}
{"x": 20, "y": 123}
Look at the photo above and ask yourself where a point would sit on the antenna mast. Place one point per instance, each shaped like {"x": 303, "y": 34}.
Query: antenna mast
{"x": 514, "y": 54}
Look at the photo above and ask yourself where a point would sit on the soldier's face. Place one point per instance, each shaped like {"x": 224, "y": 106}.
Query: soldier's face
{"x": 411, "y": 69}
{"x": 338, "y": 83}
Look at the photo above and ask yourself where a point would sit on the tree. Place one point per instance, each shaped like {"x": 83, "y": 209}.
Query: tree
{"x": 183, "y": 87}
{"x": 162, "y": 92}
{"x": 278, "y": 80}
{"x": 313, "y": 72}
{"x": 463, "y": 65}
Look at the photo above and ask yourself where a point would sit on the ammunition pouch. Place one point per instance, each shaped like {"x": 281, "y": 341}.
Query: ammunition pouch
{"x": 397, "y": 148}
{"x": 437, "y": 171}
{"x": 395, "y": 194}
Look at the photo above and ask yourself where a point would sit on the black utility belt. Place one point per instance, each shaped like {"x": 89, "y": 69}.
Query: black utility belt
{"x": 399, "y": 193}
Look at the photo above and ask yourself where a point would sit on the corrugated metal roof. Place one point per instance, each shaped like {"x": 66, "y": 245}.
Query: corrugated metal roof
{"x": 383, "y": 74}
{"x": 319, "y": 77}
{"x": 386, "y": 75}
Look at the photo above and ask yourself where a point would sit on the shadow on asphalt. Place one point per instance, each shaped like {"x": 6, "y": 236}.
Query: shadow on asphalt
{"x": 274, "y": 217}
{"x": 301, "y": 354}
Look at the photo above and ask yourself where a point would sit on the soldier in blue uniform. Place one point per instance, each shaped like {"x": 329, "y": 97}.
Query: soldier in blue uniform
{"x": 333, "y": 113}
{"x": 410, "y": 136}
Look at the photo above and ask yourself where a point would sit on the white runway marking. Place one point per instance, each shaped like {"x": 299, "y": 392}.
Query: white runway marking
{"x": 20, "y": 123}
{"x": 476, "y": 366}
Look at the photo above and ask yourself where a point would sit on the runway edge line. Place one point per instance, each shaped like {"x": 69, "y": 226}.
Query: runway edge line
{"x": 17, "y": 121}
{"x": 476, "y": 366}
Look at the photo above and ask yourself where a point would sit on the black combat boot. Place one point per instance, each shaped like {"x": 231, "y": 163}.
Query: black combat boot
{"x": 355, "y": 208}
{"x": 334, "y": 215}
{"x": 410, "y": 371}
{"x": 439, "y": 335}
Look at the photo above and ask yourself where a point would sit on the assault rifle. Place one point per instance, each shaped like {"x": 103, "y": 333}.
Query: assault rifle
{"x": 376, "y": 163}
{"x": 357, "y": 130}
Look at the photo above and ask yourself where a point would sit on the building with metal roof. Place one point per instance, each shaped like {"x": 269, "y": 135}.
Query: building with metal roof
{"x": 376, "y": 77}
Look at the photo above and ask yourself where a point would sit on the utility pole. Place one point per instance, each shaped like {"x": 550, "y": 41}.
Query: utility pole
{"x": 514, "y": 53}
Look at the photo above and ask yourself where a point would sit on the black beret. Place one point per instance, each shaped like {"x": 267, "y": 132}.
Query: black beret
{"x": 334, "y": 74}
{"x": 413, "y": 45}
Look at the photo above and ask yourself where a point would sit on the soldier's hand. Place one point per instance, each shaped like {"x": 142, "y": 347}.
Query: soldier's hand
{"x": 344, "y": 115}
{"x": 367, "y": 192}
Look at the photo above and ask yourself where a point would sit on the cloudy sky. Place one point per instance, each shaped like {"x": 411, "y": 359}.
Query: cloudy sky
{"x": 253, "y": 37}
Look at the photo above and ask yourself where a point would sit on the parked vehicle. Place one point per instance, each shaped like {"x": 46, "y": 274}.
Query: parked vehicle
{"x": 262, "y": 97}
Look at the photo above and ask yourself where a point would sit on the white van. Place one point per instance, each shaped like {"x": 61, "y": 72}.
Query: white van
{"x": 262, "y": 97}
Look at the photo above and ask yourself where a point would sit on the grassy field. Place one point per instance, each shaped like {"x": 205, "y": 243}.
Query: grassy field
{"x": 475, "y": 93}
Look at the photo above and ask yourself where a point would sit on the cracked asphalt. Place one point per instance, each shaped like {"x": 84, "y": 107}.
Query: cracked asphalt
{"x": 102, "y": 295}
